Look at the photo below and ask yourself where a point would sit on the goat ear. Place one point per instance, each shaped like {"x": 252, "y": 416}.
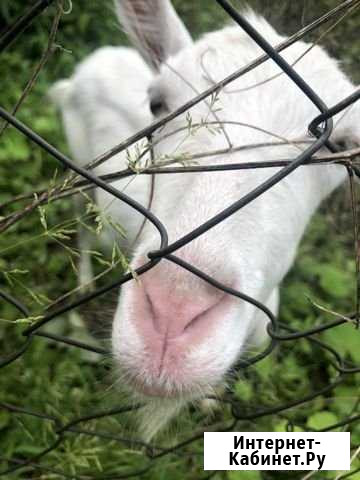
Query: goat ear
{"x": 154, "y": 28}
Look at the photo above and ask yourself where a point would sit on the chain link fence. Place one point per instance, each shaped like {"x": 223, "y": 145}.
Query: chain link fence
{"x": 37, "y": 465}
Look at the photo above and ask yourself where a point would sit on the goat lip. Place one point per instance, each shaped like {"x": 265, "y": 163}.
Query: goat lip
{"x": 156, "y": 391}
{"x": 157, "y": 387}
{"x": 164, "y": 375}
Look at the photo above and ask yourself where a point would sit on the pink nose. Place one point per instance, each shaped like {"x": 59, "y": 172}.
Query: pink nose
{"x": 173, "y": 315}
{"x": 171, "y": 311}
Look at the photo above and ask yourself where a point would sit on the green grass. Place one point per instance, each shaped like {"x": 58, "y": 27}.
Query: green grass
{"x": 37, "y": 258}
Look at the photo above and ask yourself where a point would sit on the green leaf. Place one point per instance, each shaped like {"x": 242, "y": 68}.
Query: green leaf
{"x": 28, "y": 449}
{"x": 282, "y": 427}
{"x": 356, "y": 476}
{"x": 320, "y": 420}
{"x": 244, "y": 475}
{"x": 345, "y": 399}
{"x": 4, "y": 419}
{"x": 335, "y": 282}
{"x": 42, "y": 213}
{"x": 14, "y": 147}
{"x": 266, "y": 367}
{"x": 345, "y": 339}
{"x": 243, "y": 390}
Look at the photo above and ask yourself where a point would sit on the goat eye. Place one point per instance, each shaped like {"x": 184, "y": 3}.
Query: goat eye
{"x": 157, "y": 106}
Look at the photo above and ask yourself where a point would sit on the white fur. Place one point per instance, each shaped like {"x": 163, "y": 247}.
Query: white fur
{"x": 252, "y": 250}
{"x": 103, "y": 103}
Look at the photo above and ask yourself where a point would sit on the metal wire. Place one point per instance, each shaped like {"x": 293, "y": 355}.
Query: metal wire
{"x": 278, "y": 332}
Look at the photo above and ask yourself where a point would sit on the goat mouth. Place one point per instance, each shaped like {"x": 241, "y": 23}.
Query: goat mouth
{"x": 157, "y": 391}
{"x": 162, "y": 381}
{"x": 159, "y": 388}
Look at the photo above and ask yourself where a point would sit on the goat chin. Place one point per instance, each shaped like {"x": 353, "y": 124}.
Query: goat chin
{"x": 156, "y": 414}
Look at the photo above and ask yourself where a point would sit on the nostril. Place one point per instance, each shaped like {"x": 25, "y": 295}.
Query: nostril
{"x": 201, "y": 315}
{"x": 151, "y": 307}
{"x": 154, "y": 318}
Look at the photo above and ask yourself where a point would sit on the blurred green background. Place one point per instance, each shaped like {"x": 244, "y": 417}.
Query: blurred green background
{"x": 36, "y": 266}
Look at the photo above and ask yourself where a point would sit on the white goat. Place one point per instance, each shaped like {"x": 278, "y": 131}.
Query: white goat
{"x": 175, "y": 337}
{"x": 103, "y": 103}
